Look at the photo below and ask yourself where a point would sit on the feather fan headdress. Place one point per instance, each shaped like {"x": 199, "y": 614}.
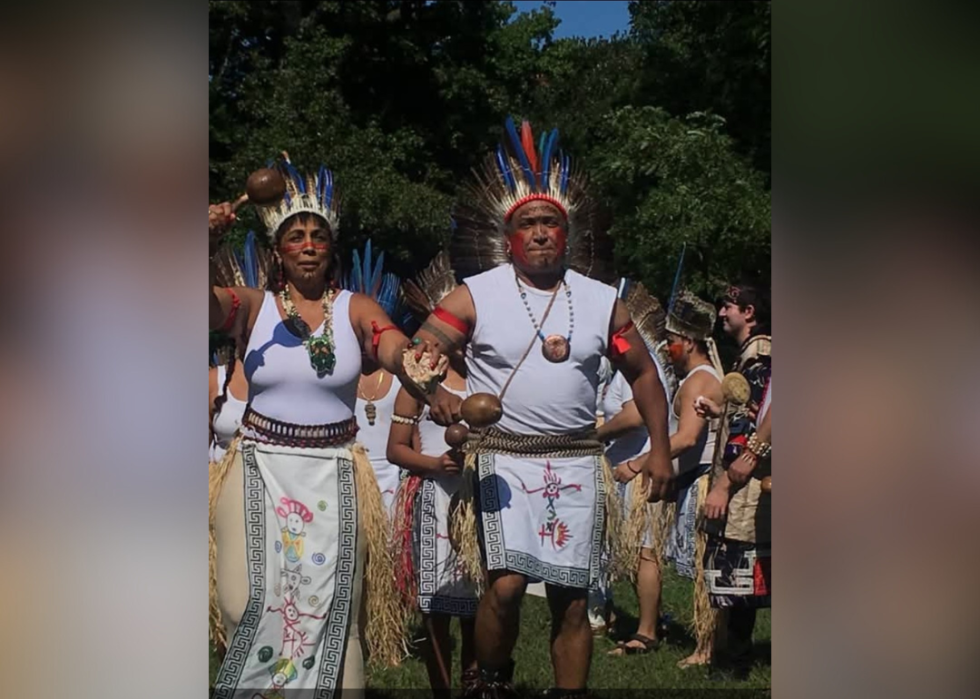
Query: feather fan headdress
{"x": 367, "y": 277}
{"x": 246, "y": 267}
{"x": 513, "y": 175}
{"x": 431, "y": 286}
{"x": 650, "y": 320}
{"x": 314, "y": 193}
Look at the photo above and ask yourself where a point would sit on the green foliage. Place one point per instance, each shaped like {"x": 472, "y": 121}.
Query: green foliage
{"x": 402, "y": 98}
{"x": 674, "y": 181}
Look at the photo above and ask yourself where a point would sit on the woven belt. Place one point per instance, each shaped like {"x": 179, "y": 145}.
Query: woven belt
{"x": 265, "y": 429}
{"x": 493, "y": 441}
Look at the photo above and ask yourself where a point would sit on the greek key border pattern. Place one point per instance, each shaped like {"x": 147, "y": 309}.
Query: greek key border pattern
{"x": 334, "y": 644}
{"x": 255, "y": 536}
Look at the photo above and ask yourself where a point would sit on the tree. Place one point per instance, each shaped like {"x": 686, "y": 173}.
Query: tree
{"x": 710, "y": 56}
{"x": 673, "y": 181}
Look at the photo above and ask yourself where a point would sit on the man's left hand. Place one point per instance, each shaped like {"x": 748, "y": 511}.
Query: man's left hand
{"x": 660, "y": 475}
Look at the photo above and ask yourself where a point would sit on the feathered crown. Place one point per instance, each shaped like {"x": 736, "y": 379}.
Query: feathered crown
{"x": 515, "y": 174}
{"x": 691, "y": 317}
{"x": 313, "y": 194}
{"x": 431, "y": 286}
{"x": 366, "y": 278}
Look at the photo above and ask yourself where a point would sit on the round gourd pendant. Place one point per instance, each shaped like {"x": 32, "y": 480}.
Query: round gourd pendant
{"x": 555, "y": 348}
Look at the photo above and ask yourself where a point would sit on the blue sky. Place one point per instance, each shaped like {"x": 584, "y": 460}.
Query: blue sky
{"x": 588, "y": 19}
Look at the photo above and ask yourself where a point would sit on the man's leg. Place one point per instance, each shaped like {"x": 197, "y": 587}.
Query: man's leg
{"x": 498, "y": 619}
{"x": 648, "y": 594}
{"x": 438, "y": 653}
{"x": 741, "y": 624}
{"x": 571, "y": 636}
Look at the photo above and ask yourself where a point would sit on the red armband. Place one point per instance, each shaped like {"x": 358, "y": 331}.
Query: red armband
{"x": 451, "y": 320}
{"x": 618, "y": 344}
{"x": 376, "y": 334}
{"x": 230, "y": 320}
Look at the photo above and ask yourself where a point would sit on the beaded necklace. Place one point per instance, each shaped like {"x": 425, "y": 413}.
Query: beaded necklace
{"x": 555, "y": 348}
{"x": 321, "y": 349}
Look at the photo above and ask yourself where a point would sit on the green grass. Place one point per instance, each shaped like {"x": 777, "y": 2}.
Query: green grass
{"x": 655, "y": 670}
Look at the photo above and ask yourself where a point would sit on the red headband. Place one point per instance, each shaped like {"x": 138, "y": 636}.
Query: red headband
{"x": 535, "y": 197}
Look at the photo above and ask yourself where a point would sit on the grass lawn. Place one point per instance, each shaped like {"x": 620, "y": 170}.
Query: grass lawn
{"x": 655, "y": 670}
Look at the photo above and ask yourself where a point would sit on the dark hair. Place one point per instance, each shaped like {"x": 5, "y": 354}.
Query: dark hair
{"x": 758, "y": 298}
{"x": 702, "y": 347}
{"x": 275, "y": 277}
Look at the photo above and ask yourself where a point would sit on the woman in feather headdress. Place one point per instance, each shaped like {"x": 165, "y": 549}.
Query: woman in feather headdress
{"x": 301, "y": 535}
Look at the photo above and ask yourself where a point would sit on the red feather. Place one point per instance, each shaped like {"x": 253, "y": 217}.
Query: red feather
{"x": 527, "y": 140}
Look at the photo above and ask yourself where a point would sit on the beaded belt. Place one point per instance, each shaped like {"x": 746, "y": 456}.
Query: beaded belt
{"x": 265, "y": 429}
{"x": 494, "y": 441}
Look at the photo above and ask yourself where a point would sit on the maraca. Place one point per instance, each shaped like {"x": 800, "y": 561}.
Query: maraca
{"x": 265, "y": 187}
{"x": 481, "y": 410}
{"x": 456, "y": 435}
{"x": 767, "y": 484}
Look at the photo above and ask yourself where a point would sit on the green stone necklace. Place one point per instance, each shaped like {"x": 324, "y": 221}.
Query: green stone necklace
{"x": 321, "y": 348}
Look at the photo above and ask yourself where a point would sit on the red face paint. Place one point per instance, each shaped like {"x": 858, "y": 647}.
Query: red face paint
{"x": 676, "y": 351}
{"x": 305, "y": 245}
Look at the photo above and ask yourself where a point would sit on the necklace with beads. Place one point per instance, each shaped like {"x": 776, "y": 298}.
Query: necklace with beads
{"x": 555, "y": 348}
{"x": 320, "y": 348}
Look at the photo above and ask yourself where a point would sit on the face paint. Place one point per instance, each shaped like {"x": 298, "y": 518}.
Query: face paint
{"x": 305, "y": 245}
{"x": 676, "y": 351}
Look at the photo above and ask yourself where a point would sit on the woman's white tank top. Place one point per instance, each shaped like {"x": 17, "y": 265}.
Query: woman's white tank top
{"x": 544, "y": 397}
{"x": 375, "y": 437}
{"x": 284, "y": 386}
{"x": 636, "y": 441}
{"x": 226, "y": 420}
{"x": 433, "y": 436}
{"x": 704, "y": 449}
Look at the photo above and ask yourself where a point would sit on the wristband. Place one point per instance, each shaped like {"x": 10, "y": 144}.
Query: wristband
{"x": 637, "y": 473}
{"x": 376, "y": 336}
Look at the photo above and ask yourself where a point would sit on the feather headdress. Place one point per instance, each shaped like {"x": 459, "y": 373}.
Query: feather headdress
{"x": 431, "y": 286}
{"x": 650, "y": 320}
{"x": 513, "y": 175}
{"x": 367, "y": 277}
{"x": 246, "y": 267}
{"x": 314, "y": 193}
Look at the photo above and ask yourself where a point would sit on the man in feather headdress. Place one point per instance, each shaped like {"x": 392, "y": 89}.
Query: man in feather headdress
{"x": 535, "y": 319}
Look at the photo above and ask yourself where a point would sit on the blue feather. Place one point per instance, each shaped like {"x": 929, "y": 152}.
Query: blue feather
{"x": 329, "y": 197}
{"x": 505, "y": 170}
{"x": 321, "y": 186}
{"x": 564, "y": 173}
{"x": 546, "y": 158}
{"x": 519, "y": 149}
{"x": 248, "y": 261}
{"x": 357, "y": 281}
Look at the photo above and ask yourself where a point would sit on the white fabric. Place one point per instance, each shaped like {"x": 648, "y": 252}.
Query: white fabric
{"x": 704, "y": 449}
{"x": 226, "y": 420}
{"x": 544, "y": 397}
{"x": 281, "y": 383}
{"x": 633, "y": 443}
{"x": 375, "y": 440}
{"x": 304, "y": 568}
{"x": 543, "y": 517}
{"x": 443, "y": 588}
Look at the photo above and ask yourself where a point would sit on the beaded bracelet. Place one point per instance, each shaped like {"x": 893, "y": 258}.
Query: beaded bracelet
{"x": 404, "y": 420}
{"x": 760, "y": 449}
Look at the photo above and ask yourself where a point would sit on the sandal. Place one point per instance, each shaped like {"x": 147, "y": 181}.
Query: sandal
{"x": 649, "y": 644}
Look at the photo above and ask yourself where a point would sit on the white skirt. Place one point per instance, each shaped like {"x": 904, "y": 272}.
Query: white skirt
{"x": 543, "y": 517}
{"x": 442, "y": 588}
{"x": 304, "y": 564}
